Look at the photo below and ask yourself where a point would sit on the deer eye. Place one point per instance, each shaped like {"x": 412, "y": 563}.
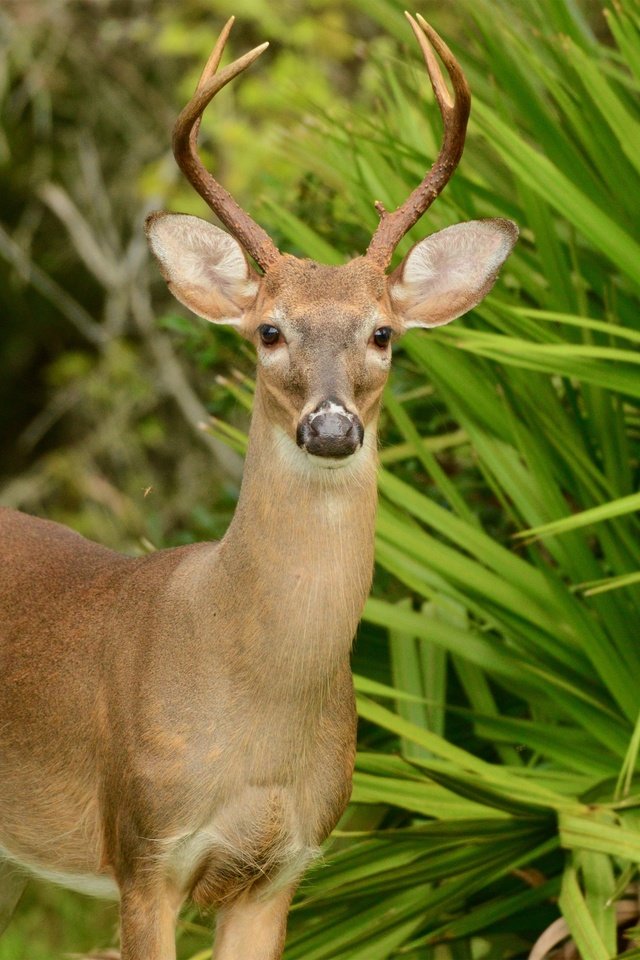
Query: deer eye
{"x": 268, "y": 334}
{"x": 382, "y": 336}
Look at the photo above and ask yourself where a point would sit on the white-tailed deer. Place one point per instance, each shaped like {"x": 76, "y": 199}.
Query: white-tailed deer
{"x": 181, "y": 725}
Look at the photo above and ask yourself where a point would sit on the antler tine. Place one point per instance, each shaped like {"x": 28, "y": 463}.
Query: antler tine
{"x": 210, "y": 68}
{"x": 455, "y": 114}
{"x": 253, "y": 238}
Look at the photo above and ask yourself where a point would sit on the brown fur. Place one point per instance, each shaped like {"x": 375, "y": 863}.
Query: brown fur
{"x": 208, "y": 687}
{"x": 183, "y": 723}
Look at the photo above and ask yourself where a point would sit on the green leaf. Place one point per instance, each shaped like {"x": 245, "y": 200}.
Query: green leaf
{"x": 607, "y": 511}
{"x": 590, "y": 833}
{"x": 574, "y": 909}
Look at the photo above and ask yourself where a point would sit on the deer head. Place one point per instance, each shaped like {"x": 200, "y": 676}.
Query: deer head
{"x": 324, "y": 334}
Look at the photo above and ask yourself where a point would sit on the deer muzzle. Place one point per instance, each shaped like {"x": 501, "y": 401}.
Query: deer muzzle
{"x": 330, "y": 431}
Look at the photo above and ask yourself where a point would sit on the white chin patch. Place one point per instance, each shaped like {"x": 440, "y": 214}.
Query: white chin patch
{"x": 302, "y": 462}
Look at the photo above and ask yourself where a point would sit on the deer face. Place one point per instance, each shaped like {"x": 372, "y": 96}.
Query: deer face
{"x": 323, "y": 340}
{"x": 324, "y": 334}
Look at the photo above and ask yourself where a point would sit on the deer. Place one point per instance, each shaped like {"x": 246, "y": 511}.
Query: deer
{"x": 180, "y": 726}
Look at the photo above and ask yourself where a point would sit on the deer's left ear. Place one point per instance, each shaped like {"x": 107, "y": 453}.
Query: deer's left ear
{"x": 450, "y": 272}
{"x": 205, "y": 268}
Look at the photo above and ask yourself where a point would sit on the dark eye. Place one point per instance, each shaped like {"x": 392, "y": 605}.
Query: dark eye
{"x": 382, "y": 336}
{"x": 268, "y": 334}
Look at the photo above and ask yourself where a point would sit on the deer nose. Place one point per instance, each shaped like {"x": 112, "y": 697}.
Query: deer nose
{"x": 330, "y": 431}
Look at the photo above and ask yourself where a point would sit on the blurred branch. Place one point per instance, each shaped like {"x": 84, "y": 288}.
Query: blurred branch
{"x": 175, "y": 382}
{"x": 126, "y": 289}
{"x": 58, "y": 406}
{"x": 102, "y": 263}
{"x": 26, "y": 489}
{"x": 49, "y": 289}
{"x": 95, "y": 187}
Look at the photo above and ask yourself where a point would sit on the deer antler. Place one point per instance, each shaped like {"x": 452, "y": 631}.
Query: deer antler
{"x": 393, "y": 226}
{"x": 253, "y": 238}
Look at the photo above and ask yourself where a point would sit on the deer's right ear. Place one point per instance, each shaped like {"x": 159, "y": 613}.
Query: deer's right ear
{"x": 204, "y": 267}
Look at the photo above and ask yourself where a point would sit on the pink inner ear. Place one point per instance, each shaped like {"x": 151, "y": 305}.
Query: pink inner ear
{"x": 204, "y": 267}
{"x": 208, "y": 303}
{"x": 451, "y": 271}
{"x": 438, "y": 311}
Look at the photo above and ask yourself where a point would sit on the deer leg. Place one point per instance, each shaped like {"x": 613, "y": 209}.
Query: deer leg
{"x": 252, "y": 928}
{"x": 12, "y": 884}
{"x": 147, "y": 923}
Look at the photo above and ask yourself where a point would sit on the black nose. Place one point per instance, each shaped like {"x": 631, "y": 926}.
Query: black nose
{"x": 330, "y": 431}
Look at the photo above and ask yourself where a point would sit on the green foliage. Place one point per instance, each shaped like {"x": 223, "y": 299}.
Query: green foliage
{"x": 517, "y": 644}
{"x": 497, "y": 664}
{"x": 508, "y": 649}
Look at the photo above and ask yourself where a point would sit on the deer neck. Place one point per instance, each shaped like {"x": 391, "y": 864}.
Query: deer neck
{"x": 299, "y": 550}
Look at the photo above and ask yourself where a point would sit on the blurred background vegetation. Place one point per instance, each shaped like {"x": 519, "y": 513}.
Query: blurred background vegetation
{"x": 495, "y": 799}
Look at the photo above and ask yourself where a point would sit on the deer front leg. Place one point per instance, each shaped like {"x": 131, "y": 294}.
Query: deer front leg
{"x": 147, "y": 923}
{"x": 252, "y": 928}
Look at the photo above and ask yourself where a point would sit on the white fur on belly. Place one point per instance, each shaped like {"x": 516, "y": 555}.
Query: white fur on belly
{"x": 93, "y": 884}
